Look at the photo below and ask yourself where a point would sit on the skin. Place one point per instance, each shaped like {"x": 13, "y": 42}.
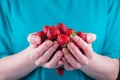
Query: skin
{"x": 89, "y": 63}
{"x": 97, "y": 66}
{"x": 22, "y": 63}
{"x": 34, "y": 56}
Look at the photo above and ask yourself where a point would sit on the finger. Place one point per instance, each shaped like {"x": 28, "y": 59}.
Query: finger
{"x": 82, "y": 59}
{"x": 53, "y": 62}
{"x": 90, "y": 37}
{"x": 47, "y": 55}
{"x": 60, "y": 63}
{"x": 71, "y": 59}
{"x": 67, "y": 66}
{"x": 41, "y": 49}
{"x": 84, "y": 46}
{"x": 34, "y": 40}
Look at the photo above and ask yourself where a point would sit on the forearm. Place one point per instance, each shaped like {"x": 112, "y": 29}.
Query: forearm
{"x": 101, "y": 67}
{"x": 16, "y": 66}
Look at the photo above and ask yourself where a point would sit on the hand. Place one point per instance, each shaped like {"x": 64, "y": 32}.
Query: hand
{"x": 80, "y": 59}
{"x": 42, "y": 54}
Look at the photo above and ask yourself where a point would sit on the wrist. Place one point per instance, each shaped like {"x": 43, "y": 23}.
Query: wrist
{"x": 29, "y": 51}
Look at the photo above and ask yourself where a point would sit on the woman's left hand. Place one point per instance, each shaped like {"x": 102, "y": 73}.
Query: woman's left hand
{"x": 74, "y": 58}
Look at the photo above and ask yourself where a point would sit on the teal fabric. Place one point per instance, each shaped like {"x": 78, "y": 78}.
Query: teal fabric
{"x": 18, "y": 18}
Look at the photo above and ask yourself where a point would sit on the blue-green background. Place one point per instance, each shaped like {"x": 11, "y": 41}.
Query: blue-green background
{"x": 18, "y": 18}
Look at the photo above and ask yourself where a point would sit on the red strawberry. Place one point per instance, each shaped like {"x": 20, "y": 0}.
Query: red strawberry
{"x": 82, "y": 35}
{"x": 63, "y": 39}
{"x": 42, "y": 35}
{"x": 62, "y": 28}
{"x": 57, "y": 31}
{"x": 52, "y": 32}
{"x": 60, "y": 71}
{"x": 70, "y": 32}
{"x": 45, "y": 29}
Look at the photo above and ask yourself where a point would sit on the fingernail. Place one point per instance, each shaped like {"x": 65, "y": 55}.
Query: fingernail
{"x": 55, "y": 45}
{"x": 89, "y": 37}
{"x": 49, "y": 43}
{"x": 59, "y": 53}
{"x": 36, "y": 40}
{"x": 71, "y": 45}
{"x": 64, "y": 51}
{"x": 76, "y": 38}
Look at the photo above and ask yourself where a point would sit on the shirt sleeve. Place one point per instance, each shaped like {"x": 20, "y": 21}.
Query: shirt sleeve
{"x": 5, "y": 30}
{"x": 112, "y": 41}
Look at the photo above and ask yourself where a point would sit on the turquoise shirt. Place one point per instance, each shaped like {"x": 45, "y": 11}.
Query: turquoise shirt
{"x": 18, "y": 18}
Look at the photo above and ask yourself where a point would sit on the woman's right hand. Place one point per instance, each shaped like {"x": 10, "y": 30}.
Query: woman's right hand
{"x": 45, "y": 54}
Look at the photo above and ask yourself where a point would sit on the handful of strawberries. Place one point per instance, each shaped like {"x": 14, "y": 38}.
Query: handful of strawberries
{"x": 60, "y": 33}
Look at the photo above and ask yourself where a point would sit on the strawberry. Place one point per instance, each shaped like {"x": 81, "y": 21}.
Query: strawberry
{"x": 57, "y": 31}
{"x": 42, "y": 35}
{"x": 63, "y": 36}
{"x": 60, "y": 71}
{"x": 70, "y": 32}
{"x": 63, "y": 39}
{"x": 82, "y": 35}
{"x": 52, "y": 32}
{"x": 62, "y": 28}
{"x": 45, "y": 29}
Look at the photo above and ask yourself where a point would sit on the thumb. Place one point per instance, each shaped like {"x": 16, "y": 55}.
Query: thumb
{"x": 34, "y": 40}
{"x": 90, "y": 37}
